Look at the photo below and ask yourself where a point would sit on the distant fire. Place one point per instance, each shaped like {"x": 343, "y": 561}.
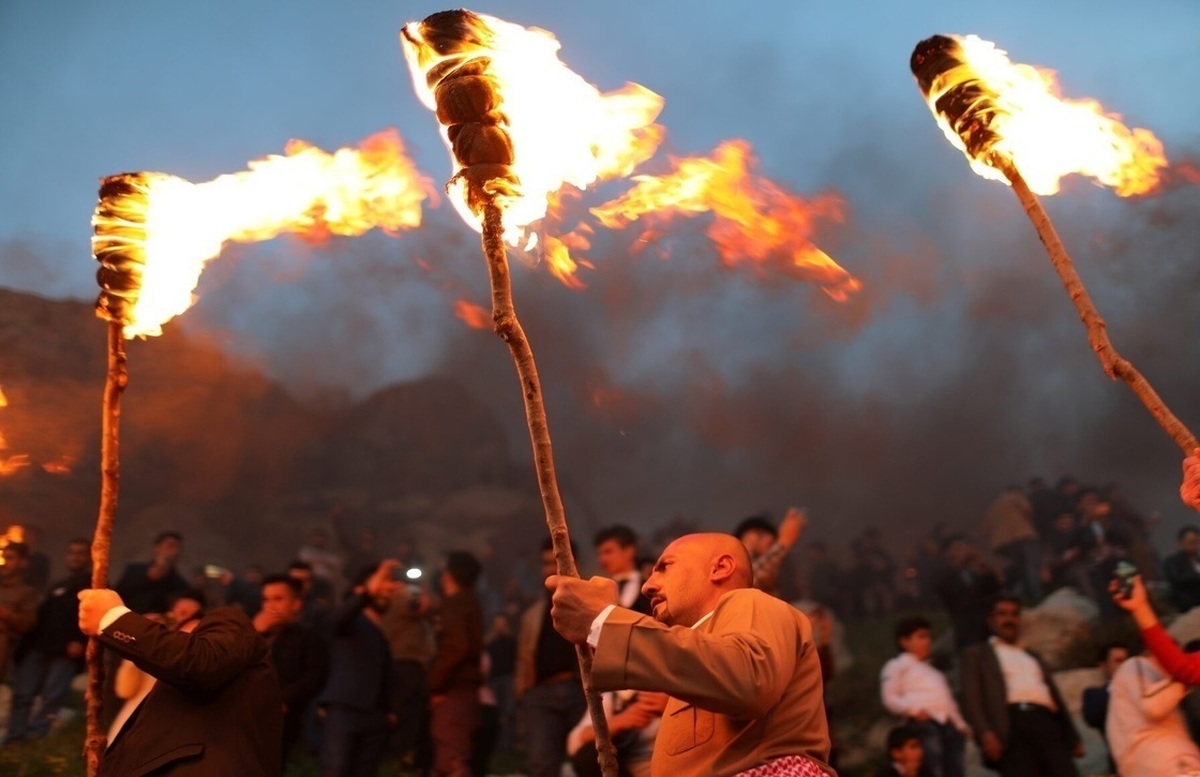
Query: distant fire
{"x": 12, "y": 463}
{"x": 754, "y": 218}
{"x": 473, "y": 315}
{"x": 154, "y": 232}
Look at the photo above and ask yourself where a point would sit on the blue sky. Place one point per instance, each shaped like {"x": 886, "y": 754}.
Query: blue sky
{"x": 821, "y": 90}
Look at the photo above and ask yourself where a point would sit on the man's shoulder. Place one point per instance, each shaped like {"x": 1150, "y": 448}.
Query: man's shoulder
{"x": 978, "y": 650}
{"x": 752, "y": 599}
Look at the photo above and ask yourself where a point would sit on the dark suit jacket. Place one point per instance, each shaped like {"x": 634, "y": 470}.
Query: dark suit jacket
{"x": 1095, "y": 707}
{"x": 215, "y": 710}
{"x": 985, "y": 700}
{"x": 1184, "y": 580}
{"x": 141, "y": 594}
{"x": 359, "y": 661}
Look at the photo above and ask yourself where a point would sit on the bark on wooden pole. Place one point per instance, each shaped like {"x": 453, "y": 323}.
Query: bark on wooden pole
{"x": 110, "y": 477}
{"x": 1114, "y": 364}
{"x": 508, "y": 329}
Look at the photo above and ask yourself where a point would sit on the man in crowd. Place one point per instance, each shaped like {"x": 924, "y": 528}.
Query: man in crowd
{"x": 1009, "y": 527}
{"x": 298, "y": 654}
{"x": 616, "y": 551}
{"x": 215, "y": 707}
{"x": 739, "y": 665}
{"x": 145, "y": 587}
{"x": 768, "y": 546}
{"x": 1095, "y": 699}
{"x": 455, "y": 676}
{"x": 407, "y": 624}
{"x": 1013, "y": 705}
{"x": 18, "y": 602}
{"x": 317, "y": 612}
{"x": 966, "y": 586}
{"x": 51, "y": 654}
{"x": 1182, "y": 569}
{"x": 356, "y": 703}
{"x": 546, "y": 682}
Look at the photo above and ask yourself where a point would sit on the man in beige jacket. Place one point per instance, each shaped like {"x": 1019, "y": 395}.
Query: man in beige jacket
{"x": 740, "y": 666}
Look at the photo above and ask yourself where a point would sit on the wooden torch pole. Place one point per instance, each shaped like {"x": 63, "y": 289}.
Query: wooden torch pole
{"x": 508, "y": 328}
{"x": 1114, "y": 364}
{"x": 110, "y": 472}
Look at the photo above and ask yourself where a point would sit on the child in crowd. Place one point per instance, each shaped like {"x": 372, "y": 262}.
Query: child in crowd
{"x": 916, "y": 691}
{"x": 906, "y": 754}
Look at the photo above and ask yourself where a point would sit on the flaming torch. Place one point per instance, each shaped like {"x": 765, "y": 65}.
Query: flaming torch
{"x": 520, "y": 125}
{"x": 155, "y": 232}
{"x": 1012, "y": 125}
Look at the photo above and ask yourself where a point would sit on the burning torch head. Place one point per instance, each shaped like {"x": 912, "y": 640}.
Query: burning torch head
{"x": 960, "y": 99}
{"x": 448, "y": 56}
{"x": 119, "y": 243}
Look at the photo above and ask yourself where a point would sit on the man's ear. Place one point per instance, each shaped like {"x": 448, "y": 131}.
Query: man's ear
{"x": 723, "y": 568}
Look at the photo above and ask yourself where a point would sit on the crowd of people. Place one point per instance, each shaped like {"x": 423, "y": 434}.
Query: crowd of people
{"x": 352, "y": 655}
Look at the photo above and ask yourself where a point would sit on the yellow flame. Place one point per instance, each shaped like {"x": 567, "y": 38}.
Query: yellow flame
{"x": 1046, "y": 135}
{"x": 754, "y": 217}
{"x": 306, "y": 190}
{"x": 563, "y": 129}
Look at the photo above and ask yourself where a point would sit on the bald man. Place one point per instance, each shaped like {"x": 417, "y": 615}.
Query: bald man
{"x": 739, "y": 665}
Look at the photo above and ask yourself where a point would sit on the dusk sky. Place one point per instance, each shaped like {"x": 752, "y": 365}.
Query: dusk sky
{"x": 823, "y": 93}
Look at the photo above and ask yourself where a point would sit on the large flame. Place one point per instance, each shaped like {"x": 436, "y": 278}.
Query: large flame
{"x": 306, "y": 191}
{"x": 563, "y": 129}
{"x": 1045, "y": 135}
{"x": 754, "y": 217}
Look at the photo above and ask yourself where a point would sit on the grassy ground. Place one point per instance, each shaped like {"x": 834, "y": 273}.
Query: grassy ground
{"x": 61, "y": 755}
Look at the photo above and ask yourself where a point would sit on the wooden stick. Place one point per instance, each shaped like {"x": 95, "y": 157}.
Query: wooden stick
{"x": 1114, "y": 364}
{"x": 508, "y": 328}
{"x": 110, "y": 471}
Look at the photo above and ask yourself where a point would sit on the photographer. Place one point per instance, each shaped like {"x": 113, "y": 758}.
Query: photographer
{"x": 407, "y": 624}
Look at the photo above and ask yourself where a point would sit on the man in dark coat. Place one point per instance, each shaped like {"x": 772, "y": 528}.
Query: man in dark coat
{"x": 146, "y": 587}
{"x": 1013, "y": 705}
{"x": 298, "y": 653}
{"x": 455, "y": 676}
{"x": 355, "y": 704}
{"x": 216, "y": 706}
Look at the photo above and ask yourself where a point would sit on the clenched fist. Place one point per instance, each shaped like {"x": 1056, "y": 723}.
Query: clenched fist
{"x": 575, "y": 604}
{"x": 94, "y": 604}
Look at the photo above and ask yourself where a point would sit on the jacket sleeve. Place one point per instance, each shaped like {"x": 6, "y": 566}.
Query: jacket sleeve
{"x": 1184, "y": 667}
{"x": 1064, "y": 713}
{"x": 739, "y": 669}
{"x": 891, "y": 690}
{"x": 974, "y": 706}
{"x": 223, "y": 645}
{"x": 1095, "y": 707}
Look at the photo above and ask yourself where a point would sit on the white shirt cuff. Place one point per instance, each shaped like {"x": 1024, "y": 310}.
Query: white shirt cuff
{"x": 112, "y": 615}
{"x": 594, "y": 633}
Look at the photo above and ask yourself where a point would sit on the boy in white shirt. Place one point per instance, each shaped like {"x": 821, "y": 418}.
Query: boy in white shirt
{"x": 914, "y": 690}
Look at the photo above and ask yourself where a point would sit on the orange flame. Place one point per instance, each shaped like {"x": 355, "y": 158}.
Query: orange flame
{"x": 307, "y": 191}
{"x": 475, "y": 316}
{"x": 755, "y": 218}
{"x": 563, "y": 129}
{"x": 59, "y": 466}
{"x": 1046, "y": 135}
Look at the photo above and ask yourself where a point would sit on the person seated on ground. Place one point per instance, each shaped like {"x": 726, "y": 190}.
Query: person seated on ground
{"x": 740, "y": 665}
{"x": 1146, "y": 730}
{"x": 633, "y": 720}
{"x": 914, "y": 690}
{"x": 907, "y": 757}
